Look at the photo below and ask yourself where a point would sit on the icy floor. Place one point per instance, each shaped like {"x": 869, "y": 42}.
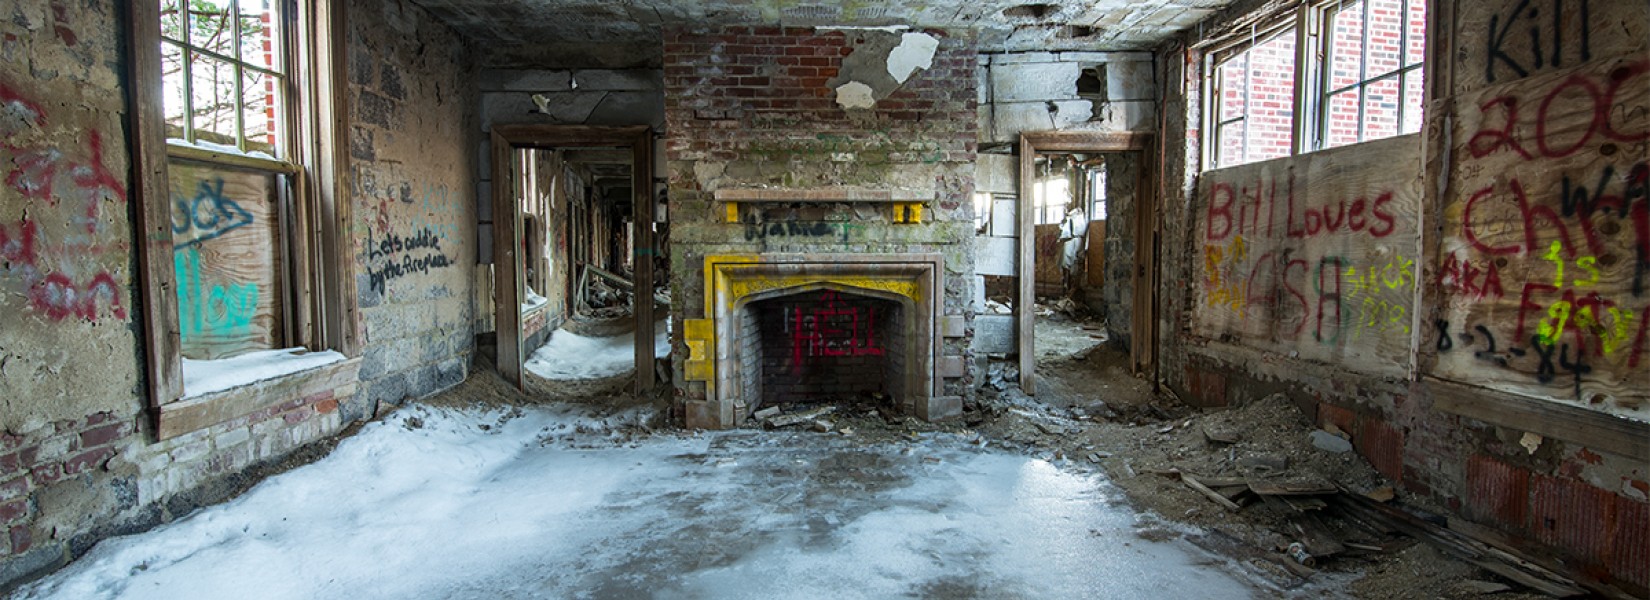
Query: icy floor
{"x": 568, "y": 355}
{"x": 546, "y": 503}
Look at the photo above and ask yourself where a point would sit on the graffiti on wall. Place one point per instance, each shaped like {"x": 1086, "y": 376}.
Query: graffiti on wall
{"x": 55, "y": 257}
{"x": 1546, "y": 250}
{"x": 392, "y": 256}
{"x": 831, "y": 328}
{"x": 207, "y": 215}
{"x": 1313, "y": 255}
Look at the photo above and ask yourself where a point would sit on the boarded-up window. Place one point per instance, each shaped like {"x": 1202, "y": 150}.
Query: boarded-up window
{"x": 227, "y": 240}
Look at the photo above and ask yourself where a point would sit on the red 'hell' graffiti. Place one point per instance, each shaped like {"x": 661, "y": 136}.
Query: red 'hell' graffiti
{"x": 49, "y": 174}
{"x": 1252, "y": 210}
{"x": 832, "y": 329}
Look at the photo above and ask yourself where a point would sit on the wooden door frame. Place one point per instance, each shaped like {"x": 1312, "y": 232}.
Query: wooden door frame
{"x": 1143, "y": 338}
{"x": 507, "y": 282}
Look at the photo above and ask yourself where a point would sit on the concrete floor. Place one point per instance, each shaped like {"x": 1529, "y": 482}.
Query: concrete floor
{"x": 560, "y": 503}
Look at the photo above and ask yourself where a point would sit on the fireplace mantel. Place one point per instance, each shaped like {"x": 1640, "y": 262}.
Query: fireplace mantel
{"x": 824, "y": 194}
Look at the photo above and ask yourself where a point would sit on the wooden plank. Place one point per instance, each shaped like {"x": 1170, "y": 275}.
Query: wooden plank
{"x": 1143, "y": 330}
{"x": 641, "y": 170}
{"x": 1590, "y": 428}
{"x": 567, "y": 136}
{"x": 1025, "y": 300}
{"x": 1193, "y": 483}
{"x": 227, "y": 238}
{"x": 1085, "y": 141}
{"x": 1542, "y": 267}
{"x": 1313, "y": 256}
{"x": 1048, "y": 250}
{"x": 506, "y": 267}
{"x": 828, "y": 194}
{"x": 157, "y": 287}
{"x": 193, "y": 414}
{"x": 1095, "y": 276}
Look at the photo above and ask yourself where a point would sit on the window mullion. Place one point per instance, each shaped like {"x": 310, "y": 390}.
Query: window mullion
{"x": 188, "y": 90}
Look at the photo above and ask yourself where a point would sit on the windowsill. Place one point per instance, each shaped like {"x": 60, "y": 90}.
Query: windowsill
{"x": 203, "y": 377}
{"x": 196, "y": 412}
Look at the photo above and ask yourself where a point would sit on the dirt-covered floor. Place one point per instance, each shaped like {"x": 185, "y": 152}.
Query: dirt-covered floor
{"x": 1080, "y": 491}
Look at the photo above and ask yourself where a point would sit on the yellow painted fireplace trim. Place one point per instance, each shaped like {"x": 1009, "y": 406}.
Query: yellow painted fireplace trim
{"x": 700, "y": 334}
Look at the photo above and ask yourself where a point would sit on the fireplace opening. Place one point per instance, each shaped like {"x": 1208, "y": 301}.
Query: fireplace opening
{"x": 823, "y": 346}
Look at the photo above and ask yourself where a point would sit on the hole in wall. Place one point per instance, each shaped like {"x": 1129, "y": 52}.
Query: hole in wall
{"x": 1031, "y": 11}
{"x": 1076, "y": 31}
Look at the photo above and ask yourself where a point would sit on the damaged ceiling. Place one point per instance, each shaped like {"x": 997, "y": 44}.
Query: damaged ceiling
{"x": 625, "y": 33}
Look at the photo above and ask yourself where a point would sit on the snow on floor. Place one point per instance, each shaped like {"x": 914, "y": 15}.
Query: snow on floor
{"x": 569, "y": 355}
{"x": 547, "y": 503}
{"x": 207, "y": 376}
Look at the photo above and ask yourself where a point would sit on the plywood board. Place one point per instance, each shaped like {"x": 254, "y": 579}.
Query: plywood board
{"x": 1313, "y": 256}
{"x": 1048, "y": 271}
{"x": 1544, "y": 261}
{"x": 227, "y": 257}
{"x": 1096, "y": 268}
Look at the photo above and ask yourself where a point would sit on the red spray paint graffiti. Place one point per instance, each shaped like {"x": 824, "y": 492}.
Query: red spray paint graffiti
{"x": 52, "y": 175}
{"x": 833, "y": 328}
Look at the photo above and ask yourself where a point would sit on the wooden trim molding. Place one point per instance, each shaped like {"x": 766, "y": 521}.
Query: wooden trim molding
{"x": 193, "y": 414}
{"x": 156, "y": 280}
{"x": 1573, "y": 424}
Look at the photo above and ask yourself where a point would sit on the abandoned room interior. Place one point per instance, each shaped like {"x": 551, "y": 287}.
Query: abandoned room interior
{"x": 797, "y": 298}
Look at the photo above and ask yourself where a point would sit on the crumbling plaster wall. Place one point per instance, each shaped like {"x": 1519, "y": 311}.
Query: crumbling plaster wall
{"x": 1065, "y": 91}
{"x": 411, "y": 169}
{"x": 752, "y": 107}
{"x": 1565, "y": 492}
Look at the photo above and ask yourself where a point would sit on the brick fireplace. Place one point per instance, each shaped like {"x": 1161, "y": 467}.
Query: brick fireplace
{"x": 821, "y": 229}
{"x": 786, "y": 328}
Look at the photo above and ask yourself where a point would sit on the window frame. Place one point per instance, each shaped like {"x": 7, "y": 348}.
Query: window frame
{"x": 1320, "y": 16}
{"x": 1225, "y": 51}
{"x": 1309, "y": 122}
{"x": 321, "y": 297}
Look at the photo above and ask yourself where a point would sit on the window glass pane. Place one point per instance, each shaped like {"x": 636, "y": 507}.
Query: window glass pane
{"x": 1341, "y": 123}
{"x": 210, "y": 27}
{"x": 1271, "y": 98}
{"x": 260, "y": 112}
{"x": 1346, "y": 32}
{"x": 1414, "y": 92}
{"x": 1233, "y": 75}
{"x": 1386, "y": 37}
{"x": 1381, "y": 102}
{"x": 171, "y": 69}
{"x": 1230, "y": 151}
{"x": 171, "y": 19}
{"x": 1417, "y": 32}
{"x": 258, "y": 40}
{"x": 213, "y": 95}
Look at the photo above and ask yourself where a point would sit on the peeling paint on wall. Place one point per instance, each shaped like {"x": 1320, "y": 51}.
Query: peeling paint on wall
{"x": 855, "y": 95}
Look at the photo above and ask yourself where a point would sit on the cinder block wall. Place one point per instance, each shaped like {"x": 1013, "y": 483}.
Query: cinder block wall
{"x": 78, "y": 456}
{"x": 758, "y": 107}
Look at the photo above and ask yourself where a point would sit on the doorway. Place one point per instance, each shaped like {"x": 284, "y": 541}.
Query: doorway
{"x": 1074, "y": 158}
{"x": 573, "y": 230}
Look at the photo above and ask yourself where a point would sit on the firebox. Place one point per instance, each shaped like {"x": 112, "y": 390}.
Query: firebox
{"x": 788, "y": 328}
{"x": 821, "y": 345}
